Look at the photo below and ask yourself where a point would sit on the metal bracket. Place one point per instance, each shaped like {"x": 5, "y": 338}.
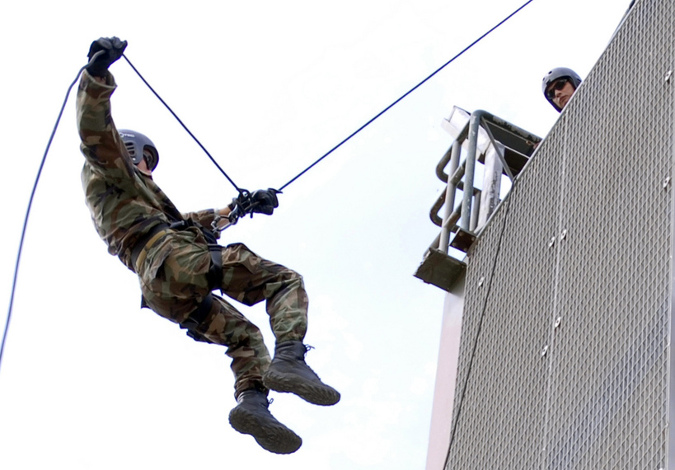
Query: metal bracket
{"x": 463, "y": 240}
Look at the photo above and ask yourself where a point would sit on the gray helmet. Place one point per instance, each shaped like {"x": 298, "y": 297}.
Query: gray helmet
{"x": 135, "y": 142}
{"x": 555, "y": 74}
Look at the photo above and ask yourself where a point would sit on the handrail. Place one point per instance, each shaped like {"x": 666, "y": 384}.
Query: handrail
{"x": 448, "y": 155}
{"x": 503, "y": 149}
{"x": 461, "y": 173}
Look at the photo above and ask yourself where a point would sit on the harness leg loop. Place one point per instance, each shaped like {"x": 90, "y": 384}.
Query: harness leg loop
{"x": 214, "y": 277}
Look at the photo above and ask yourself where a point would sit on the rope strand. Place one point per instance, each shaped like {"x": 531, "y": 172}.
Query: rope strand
{"x": 406, "y": 94}
{"x": 184, "y": 126}
{"x": 30, "y": 205}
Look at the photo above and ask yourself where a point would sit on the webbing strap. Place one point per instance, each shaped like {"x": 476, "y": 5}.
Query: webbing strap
{"x": 199, "y": 315}
{"x": 214, "y": 277}
{"x": 196, "y": 318}
{"x": 142, "y": 242}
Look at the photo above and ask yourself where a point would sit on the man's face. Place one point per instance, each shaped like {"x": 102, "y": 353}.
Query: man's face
{"x": 143, "y": 164}
{"x": 560, "y": 92}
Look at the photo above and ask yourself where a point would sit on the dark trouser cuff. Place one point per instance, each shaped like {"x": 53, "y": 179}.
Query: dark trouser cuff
{"x": 249, "y": 385}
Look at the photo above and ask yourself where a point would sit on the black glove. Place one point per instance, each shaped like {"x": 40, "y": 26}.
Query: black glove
{"x": 264, "y": 201}
{"x": 112, "y": 50}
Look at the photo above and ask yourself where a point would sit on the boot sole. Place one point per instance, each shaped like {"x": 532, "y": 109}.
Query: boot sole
{"x": 286, "y": 383}
{"x": 275, "y": 438}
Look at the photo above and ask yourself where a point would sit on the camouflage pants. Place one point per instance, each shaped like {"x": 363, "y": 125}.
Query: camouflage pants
{"x": 173, "y": 281}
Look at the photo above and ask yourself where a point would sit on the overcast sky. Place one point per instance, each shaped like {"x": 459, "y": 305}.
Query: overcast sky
{"x": 88, "y": 380}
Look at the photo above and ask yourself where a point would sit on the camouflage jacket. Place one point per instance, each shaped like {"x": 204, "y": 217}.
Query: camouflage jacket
{"x": 124, "y": 203}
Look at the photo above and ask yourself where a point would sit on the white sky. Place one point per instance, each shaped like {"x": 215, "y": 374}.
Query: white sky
{"x": 89, "y": 381}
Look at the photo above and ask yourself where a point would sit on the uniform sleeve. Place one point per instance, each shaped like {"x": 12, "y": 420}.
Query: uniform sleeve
{"x": 203, "y": 218}
{"x": 101, "y": 144}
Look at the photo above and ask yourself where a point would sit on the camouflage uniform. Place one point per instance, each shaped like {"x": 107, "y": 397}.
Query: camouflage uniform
{"x": 172, "y": 268}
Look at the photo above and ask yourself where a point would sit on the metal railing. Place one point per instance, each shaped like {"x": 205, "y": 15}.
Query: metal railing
{"x": 502, "y": 149}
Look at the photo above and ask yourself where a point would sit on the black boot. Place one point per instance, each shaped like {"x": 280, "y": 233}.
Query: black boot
{"x": 289, "y": 373}
{"x": 251, "y": 416}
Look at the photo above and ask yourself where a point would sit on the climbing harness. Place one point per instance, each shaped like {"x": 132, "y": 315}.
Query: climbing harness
{"x": 214, "y": 276}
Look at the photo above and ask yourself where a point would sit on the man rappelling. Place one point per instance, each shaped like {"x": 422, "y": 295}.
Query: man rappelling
{"x": 179, "y": 263}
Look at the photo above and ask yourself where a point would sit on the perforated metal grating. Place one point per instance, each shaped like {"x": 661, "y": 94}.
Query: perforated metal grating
{"x": 565, "y": 364}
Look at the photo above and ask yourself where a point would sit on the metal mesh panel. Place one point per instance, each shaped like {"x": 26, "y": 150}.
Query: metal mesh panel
{"x": 507, "y": 375}
{"x": 563, "y": 358}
